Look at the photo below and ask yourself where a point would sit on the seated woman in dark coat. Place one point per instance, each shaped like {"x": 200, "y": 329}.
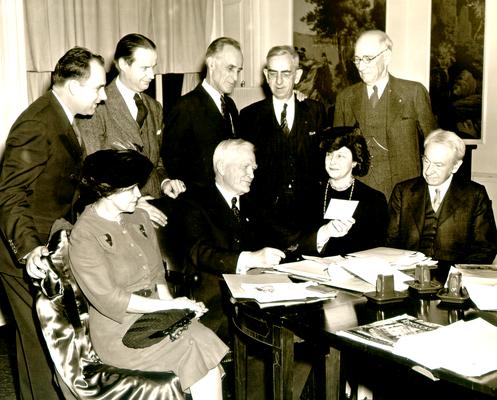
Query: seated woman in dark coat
{"x": 347, "y": 157}
{"x": 115, "y": 258}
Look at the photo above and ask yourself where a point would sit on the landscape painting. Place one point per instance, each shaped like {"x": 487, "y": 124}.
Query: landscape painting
{"x": 324, "y": 35}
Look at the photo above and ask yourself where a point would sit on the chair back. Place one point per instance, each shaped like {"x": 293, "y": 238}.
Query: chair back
{"x": 63, "y": 314}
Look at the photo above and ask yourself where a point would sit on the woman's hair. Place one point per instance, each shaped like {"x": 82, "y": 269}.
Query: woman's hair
{"x": 352, "y": 139}
{"x": 107, "y": 171}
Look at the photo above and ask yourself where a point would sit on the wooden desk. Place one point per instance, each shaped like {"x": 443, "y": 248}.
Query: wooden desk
{"x": 318, "y": 323}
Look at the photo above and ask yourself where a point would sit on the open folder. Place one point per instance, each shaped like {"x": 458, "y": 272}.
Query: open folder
{"x": 270, "y": 290}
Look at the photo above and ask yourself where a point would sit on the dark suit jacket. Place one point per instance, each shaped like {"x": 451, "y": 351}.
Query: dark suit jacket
{"x": 212, "y": 242}
{"x": 276, "y": 169}
{"x": 466, "y": 228}
{"x": 194, "y": 127}
{"x": 38, "y": 181}
{"x": 368, "y": 231}
{"x": 409, "y": 119}
{"x": 112, "y": 126}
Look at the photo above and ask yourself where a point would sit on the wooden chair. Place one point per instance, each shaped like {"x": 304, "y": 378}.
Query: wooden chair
{"x": 63, "y": 313}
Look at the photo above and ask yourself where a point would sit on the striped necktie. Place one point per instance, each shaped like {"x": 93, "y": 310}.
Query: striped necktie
{"x": 284, "y": 122}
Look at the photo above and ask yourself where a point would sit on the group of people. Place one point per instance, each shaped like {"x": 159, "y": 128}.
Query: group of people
{"x": 251, "y": 189}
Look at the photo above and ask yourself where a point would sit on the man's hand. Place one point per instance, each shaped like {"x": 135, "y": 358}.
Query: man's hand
{"x": 156, "y": 215}
{"x": 299, "y": 95}
{"x": 264, "y": 257}
{"x": 173, "y": 187}
{"x": 35, "y": 266}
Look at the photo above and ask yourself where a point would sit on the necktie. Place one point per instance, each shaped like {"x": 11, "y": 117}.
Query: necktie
{"x": 374, "y": 99}
{"x": 284, "y": 122}
{"x": 226, "y": 114}
{"x": 437, "y": 200}
{"x": 235, "y": 209}
{"x": 142, "y": 109}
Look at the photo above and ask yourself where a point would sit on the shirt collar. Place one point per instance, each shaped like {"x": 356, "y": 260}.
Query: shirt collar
{"x": 380, "y": 84}
{"x": 444, "y": 187}
{"x": 69, "y": 114}
{"x": 228, "y": 195}
{"x": 216, "y": 96}
{"x": 126, "y": 92}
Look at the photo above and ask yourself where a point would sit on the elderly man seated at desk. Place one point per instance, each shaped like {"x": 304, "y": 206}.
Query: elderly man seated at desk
{"x": 219, "y": 228}
{"x": 439, "y": 214}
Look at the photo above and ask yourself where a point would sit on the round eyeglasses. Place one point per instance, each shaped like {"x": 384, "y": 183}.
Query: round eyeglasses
{"x": 367, "y": 59}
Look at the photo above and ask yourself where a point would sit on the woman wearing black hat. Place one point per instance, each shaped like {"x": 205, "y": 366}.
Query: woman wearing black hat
{"x": 115, "y": 258}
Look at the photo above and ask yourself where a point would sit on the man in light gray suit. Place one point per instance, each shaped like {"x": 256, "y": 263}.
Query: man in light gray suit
{"x": 130, "y": 118}
{"x": 394, "y": 115}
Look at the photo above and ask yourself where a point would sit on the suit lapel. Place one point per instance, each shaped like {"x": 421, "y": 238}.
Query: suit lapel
{"x": 129, "y": 130}
{"x": 395, "y": 102}
{"x": 68, "y": 137}
{"x": 359, "y": 96}
{"x": 417, "y": 203}
{"x": 453, "y": 199}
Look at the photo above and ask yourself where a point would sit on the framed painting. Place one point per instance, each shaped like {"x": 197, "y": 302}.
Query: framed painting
{"x": 324, "y": 35}
{"x": 456, "y": 65}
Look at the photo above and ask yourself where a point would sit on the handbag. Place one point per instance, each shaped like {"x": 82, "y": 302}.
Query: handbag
{"x": 153, "y": 327}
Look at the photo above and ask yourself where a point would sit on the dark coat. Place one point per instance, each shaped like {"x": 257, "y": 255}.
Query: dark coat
{"x": 212, "y": 242}
{"x": 39, "y": 176}
{"x": 289, "y": 168}
{"x": 368, "y": 231}
{"x": 113, "y": 126}
{"x": 194, "y": 127}
{"x": 409, "y": 120}
{"x": 466, "y": 226}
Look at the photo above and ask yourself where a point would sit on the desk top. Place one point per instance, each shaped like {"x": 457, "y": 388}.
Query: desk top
{"x": 320, "y": 322}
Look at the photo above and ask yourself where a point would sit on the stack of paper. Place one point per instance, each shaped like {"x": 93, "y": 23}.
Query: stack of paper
{"x": 465, "y": 347}
{"x": 273, "y": 290}
{"x": 398, "y": 258}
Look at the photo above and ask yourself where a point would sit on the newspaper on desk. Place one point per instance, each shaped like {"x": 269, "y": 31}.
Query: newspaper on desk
{"x": 481, "y": 283}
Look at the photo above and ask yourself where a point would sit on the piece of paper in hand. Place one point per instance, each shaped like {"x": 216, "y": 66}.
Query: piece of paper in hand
{"x": 341, "y": 209}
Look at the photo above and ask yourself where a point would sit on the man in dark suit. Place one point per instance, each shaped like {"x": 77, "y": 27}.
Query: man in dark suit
{"x": 220, "y": 228}
{"x": 39, "y": 176}
{"x": 393, "y": 114}
{"x": 286, "y": 134}
{"x": 204, "y": 117}
{"x": 439, "y": 214}
{"x": 129, "y": 118}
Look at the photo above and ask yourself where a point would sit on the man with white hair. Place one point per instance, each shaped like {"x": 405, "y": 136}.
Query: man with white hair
{"x": 439, "y": 214}
{"x": 221, "y": 233}
{"x": 394, "y": 114}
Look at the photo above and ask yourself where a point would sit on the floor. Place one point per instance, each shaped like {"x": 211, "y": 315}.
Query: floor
{"x": 7, "y": 363}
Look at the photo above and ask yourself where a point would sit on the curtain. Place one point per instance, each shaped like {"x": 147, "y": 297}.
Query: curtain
{"x": 181, "y": 29}
{"x": 13, "y": 98}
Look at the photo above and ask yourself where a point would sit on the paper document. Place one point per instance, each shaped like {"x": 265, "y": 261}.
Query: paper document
{"x": 368, "y": 269}
{"x": 467, "y": 348}
{"x": 327, "y": 270}
{"x": 399, "y": 258}
{"x": 274, "y": 290}
{"x": 340, "y": 209}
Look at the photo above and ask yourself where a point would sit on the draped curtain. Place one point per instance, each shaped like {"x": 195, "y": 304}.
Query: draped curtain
{"x": 181, "y": 29}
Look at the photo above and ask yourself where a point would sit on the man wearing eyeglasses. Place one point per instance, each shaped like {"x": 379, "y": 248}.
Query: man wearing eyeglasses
{"x": 286, "y": 133}
{"x": 393, "y": 114}
{"x": 439, "y": 214}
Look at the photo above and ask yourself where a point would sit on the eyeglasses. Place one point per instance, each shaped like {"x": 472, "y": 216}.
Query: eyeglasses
{"x": 272, "y": 74}
{"x": 367, "y": 59}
